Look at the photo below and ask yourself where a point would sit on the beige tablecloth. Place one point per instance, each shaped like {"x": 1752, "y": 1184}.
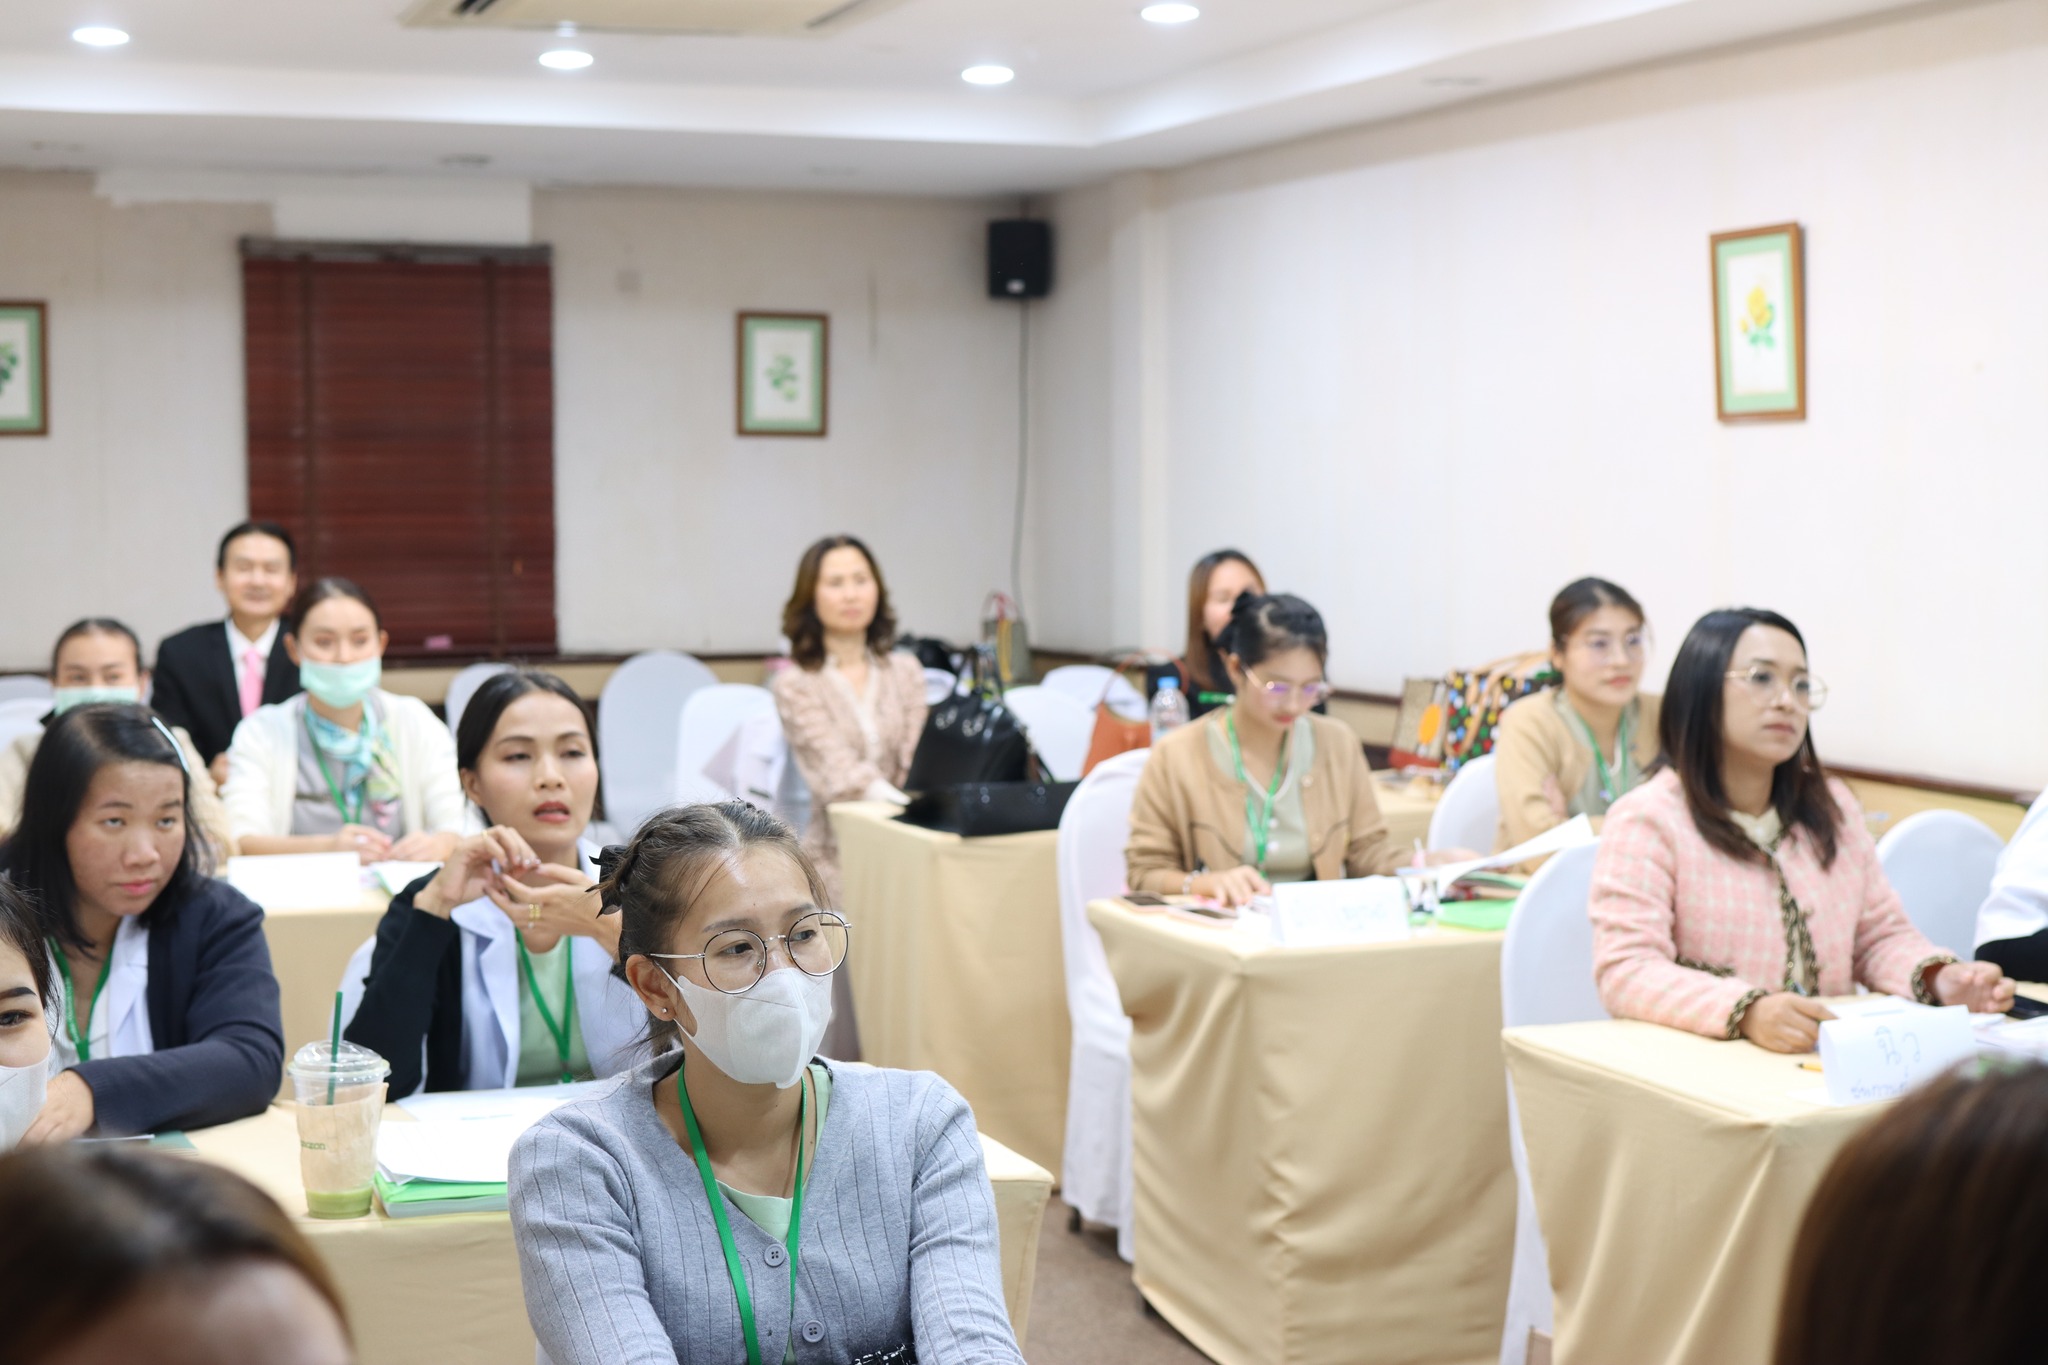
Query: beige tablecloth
{"x": 308, "y": 950}
{"x": 1670, "y": 1174}
{"x": 956, "y": 967}
{"x": 444, "y": 1290}
{"x": 1320, "y": 1142}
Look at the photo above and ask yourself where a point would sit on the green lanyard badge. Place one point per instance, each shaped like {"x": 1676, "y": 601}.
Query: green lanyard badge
{"x": 82, "y": 1045}
{"x": 1259, "y": 819}
{"x": 558, "y": 1032}
{"x": 351, "y": 813}
{"x": 1624, "y": 756}
{"x": 733, "y": 1267}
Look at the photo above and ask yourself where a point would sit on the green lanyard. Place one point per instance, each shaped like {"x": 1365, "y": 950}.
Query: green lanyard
{"x": 350, "y": 814}
{"x": 82, "y": 1045}
{"x": 1624, "y": 756}
{"x": 559, "y": 1032}
{"x": 1260, "y": 820}
{"x": 733, "y": 1267}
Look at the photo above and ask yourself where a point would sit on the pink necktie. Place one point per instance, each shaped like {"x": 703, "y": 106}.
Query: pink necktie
{"x": 252, "y": 679}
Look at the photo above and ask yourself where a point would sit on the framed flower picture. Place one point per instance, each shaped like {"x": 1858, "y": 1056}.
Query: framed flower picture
{"x": 782, "y": 373}
{"x": 1760, "y": 324}
{"x": 24, "y": 370}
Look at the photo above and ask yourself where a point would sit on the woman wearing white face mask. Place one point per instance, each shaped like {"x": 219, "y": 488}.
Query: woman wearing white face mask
{"x": 344, "y": 766}
{"x": 26, "y": 1019}
{"x": 99, "y": 660}
{"x": 734, "y": 1197}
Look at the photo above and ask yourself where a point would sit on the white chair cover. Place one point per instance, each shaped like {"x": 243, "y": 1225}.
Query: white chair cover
{"x": 763, "y": 773}
{"x": 463, "y": 686}
{"x": 639, "y": 714}
{"x": 712, "y": 718}
{"x": 25, "y": 687}
{"x": 1546, "y": 977}
{"x": 1058, "y": 727}
{"x": 1468, "y": 816}
{"x": 1095, "y": 1172}
{"x": 1941, "y": 863}
{"x": 21, "y": 716}
{"x": 1084, "y": 683}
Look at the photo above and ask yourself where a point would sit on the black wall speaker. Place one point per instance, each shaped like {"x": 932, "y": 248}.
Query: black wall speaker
{"x": 1019, "y": 259}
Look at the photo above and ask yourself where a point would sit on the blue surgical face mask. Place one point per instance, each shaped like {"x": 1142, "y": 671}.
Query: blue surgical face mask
{"x": 64, "y": 698}
{"x": 341, "y": 685}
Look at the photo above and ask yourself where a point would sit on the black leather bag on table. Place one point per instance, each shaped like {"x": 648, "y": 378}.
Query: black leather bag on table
{"x": 974, "y": 773}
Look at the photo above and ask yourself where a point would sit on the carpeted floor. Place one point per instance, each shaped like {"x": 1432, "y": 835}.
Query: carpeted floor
{"x": 1086, "y": 1311}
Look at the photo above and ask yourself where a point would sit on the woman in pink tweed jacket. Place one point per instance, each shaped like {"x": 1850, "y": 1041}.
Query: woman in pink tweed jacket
{"x": 1740, "y": 883}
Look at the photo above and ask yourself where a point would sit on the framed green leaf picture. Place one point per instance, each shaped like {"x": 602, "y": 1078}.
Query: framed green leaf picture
{"x": 782, "y": 374}
{"x": 1760, "y": 324}
{"x": 24, "y": 370}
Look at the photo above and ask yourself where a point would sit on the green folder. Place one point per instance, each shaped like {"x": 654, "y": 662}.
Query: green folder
{"x": 1488, "y": 916}
{"x": 418, "y": 1198}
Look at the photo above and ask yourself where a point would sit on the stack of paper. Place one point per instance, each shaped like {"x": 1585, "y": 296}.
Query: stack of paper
{"x": 298, "y": 881}
{"x": 454, "y": 1158}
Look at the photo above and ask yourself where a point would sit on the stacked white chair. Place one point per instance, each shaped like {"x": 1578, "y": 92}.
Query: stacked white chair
{"x": 463, "y": 686}
{"x": 1095, "y": 1173}
{"x": 1941, "y": 863}
{"x": 713, "y": 719}
{"x": 25, "y": 687}
{"x": 639, "y": 714}
{"x": 1468, "y": 816}
{"x": 1058, "y": 727}
{"x": 1084, "y": 683}
{"x": 1546, "y": 977}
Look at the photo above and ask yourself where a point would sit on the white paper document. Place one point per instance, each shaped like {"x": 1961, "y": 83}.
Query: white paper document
{"x": 527, "y": 1102}
{"x": 1878, "y": 1056}
{"x": 299, "y": 881}
{"x": 1357, "y": 910}
{"x": 1573, "y": 832}
{"x": 467, "y": 1135}
{"x": 395, "y": 876}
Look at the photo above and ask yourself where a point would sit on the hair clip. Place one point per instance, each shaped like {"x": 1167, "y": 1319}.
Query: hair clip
{"x": 177, "y": 749}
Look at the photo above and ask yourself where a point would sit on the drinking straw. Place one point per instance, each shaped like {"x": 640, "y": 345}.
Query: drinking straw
{"x": 334, "y": 1048}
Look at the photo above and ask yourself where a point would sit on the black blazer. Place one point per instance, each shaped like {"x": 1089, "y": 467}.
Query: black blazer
{"x": 213, "y": 1016}
{"x": 413, "y": 996}
{"x": 196, "y": 684}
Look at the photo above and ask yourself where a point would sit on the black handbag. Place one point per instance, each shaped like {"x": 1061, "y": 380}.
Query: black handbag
{"x": 969, "y": 737}
{"x": 975, "y": 809}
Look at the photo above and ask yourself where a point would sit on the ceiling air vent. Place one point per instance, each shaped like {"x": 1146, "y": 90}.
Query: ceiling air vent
{"x": 790, "y": 18}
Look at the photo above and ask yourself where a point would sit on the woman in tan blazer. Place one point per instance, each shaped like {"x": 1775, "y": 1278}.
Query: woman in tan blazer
{"x": 851, "y": 709}
{"x": 1262, "y": 789}
{"x": 1578, "y": 748}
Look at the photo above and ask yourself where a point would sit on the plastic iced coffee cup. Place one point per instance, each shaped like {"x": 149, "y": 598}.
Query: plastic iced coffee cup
{"x": 341, "y": 1102}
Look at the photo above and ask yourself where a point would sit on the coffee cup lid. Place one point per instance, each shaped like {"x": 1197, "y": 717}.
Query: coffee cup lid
{"x": 352, "y": 1059}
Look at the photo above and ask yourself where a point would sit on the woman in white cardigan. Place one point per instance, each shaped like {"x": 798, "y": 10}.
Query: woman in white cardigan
{"x": 344, "y": 766}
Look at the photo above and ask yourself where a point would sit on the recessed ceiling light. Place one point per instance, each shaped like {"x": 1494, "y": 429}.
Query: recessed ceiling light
{"x": 98, "y": 35}
{"x": 988, "y": 75}
{"x": 566, "y": 59}
{"x": 1169, "y": 12}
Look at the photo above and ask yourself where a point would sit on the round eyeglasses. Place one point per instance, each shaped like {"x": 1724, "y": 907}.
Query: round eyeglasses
{"x": 1765, "y": 684}
{"x": 1311, "y": 693}
{"x": 735, "y": 959}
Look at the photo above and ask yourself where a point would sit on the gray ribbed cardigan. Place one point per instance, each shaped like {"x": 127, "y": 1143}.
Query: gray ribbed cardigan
{"x": 621, "y": 1261}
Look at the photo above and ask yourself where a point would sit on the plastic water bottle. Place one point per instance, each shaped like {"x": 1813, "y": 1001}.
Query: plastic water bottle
{"x": 1169, "y": 707}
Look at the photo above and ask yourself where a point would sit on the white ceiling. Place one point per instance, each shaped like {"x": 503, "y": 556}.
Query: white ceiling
{"x": 323, "y": 86}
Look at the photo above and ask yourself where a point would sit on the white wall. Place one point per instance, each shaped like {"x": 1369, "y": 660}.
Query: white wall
{"x": 1428, "y": 372}
{"x": 117, "y": 511}
{"x": 671, "y": 530}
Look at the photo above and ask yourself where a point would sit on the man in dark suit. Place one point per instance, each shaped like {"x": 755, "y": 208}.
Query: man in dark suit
{"x": 211, "y": 675}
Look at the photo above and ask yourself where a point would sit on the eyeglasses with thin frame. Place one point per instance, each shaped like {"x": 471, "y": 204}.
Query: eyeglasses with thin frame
{"x": 1278, "y": 692}
{"x": 736, "y": 959}
{"x": 1766, "y": 683}
{"x": 1602, "y": 647}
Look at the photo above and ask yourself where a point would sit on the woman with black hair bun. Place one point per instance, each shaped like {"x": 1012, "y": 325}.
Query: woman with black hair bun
{"x": 1261, "y": 790}
{"x": 1740, "y": 883}
{"x": 169, "y": 1014}
{"x": 1578, "y": 748}
{"x": 497, "y": 970}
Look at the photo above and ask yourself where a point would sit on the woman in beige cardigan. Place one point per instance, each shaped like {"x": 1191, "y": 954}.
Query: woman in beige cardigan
{"x": 1261, "y": 790}
{"x": 851, "y": 710}
{"x": 1578, "y": 748}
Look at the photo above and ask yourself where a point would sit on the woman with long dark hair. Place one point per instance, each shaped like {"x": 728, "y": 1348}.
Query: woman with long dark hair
{"x": 169, "y": 1008}
{"x": 1739, "y": 883}
{"x": 1215, "y": 583}
{"x": 1578, "y": 748}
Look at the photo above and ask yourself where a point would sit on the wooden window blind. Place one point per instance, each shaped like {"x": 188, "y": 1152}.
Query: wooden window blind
{"x": 401, "y": 425}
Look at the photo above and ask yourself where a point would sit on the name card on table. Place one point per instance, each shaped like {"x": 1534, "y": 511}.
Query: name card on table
{"x": 1358, "y": 910}
{"x": 298, "y": 881}
{"x": 1883, "y": 1055}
